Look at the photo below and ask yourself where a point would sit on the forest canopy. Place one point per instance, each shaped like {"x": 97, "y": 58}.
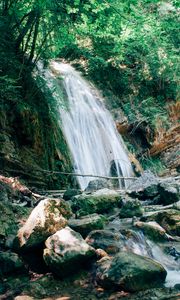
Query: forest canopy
{"x": 129, "y": 47}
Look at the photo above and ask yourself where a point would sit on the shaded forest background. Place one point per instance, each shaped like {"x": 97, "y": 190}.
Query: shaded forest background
{"x": 129, "y": 49}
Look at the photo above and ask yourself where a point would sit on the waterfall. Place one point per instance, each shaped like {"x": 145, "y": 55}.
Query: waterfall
{"x": 91, "y": 134}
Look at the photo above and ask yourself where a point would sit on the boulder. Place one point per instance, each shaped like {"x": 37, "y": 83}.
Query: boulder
{"x": 169, "y": 219}
{"x": 97, "y": 184}
{"x": 130, "y": 272}
{"x": 70, "y": 193}
{"x": 49, "y": 216}
{"x": 146, "y": 180}
{"x": 66, "y": 252}
{"x": 10, "y": 263}
{"x": 87, "y": 223}
{"x": 169, "y": 192}
{"x": 153, "y": 230}
{"x": 101, "y": 201}
{"x": 107, "y": 240}
{"x": 131, "y": 208}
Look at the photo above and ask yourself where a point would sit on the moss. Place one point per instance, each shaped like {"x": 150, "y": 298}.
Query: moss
{"x": 10, "y": 218}
{"x": 89, "y": 204}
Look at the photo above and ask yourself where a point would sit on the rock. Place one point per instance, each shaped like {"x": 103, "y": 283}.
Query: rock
{"x": 169, "y": 219}
{"x": 131, "y": 208}
{"x": 46, "y": 218}
{"x": 106, "y": 240}
{"x": 9, "y": 221}
{"x": 66, "y": 252}
{"x": 101, "y": 253}
{"x": 146, "y": 180}
{"x": 87, "y": 223}
{"x": 153, "y": 230}
{"x": 101, "y": 201}
{"x": 10, "y": 263}
{"x": 177, "y": 205}
{"x": 130, "y": 272}
{"x": 97, "y": 184}
{"x": 23, "y": 297}
{"x": 169, "y": 192}
{"x": 70, "y": 193}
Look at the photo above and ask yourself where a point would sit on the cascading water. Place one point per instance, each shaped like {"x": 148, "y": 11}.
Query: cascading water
{"x": 94, "y": 142}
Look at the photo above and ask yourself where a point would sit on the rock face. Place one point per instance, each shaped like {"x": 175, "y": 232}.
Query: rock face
{"x": 46, "y": 218}
{"x": 87, "y": 223}
{"x": 66, "y": 252}
{"x": 10, "y": 263}
{"x": 106, "y": 240}
{"x": 130, "y": 272}
{"x": 131, "y": 208}
{"x": 99, "y": 202}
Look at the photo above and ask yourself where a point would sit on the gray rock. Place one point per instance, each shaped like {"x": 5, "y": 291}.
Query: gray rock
{"x": 106, "y": 240}
{"x": 66, "y": 252}
{"x": 87, "y": 223}
{"x": 97, "y": 184}
{"x": 130, "y": 272}
{"x": 146, "y": 180}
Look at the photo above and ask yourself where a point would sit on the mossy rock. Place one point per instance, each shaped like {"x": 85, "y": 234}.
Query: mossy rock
{"x": 102, "y": 201}
{"x": 169, "y": 219}
{"x": 131, "y": 208}
{"x": 10, "y": 263}
{"x": 86, "y": 224}
{"x": 130, "y": 272}
{"x": 10, "y": 218}
{"x": 153, "y": 230}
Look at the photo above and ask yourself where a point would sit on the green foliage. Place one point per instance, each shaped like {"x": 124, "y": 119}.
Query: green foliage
{"x": 152, "y": 163}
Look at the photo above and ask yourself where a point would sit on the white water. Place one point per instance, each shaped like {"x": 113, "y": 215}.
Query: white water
{"x": 90, "y": 130}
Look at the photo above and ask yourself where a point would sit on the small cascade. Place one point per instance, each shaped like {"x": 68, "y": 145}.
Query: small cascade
{"x": 95, "y": 144}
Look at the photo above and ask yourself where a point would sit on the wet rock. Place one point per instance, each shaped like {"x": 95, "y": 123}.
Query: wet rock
{"x": 10, "y": 263}
{"x": 101, "y": 201}
{"x": 106, "y": 240}
{"x": 87, "y": 223}
{"x": 169, "y": 192}
{"x": 169, "y": 219}
{"x": 130, "y": 272}
{"x": 46, "y": 218}
{"x": 153, "y": 230}
{"x": 97, "y": 184}
{"x": 131, "y": 208}
{"x": 70, "y": 193}
{"x": 66, "y": 252}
